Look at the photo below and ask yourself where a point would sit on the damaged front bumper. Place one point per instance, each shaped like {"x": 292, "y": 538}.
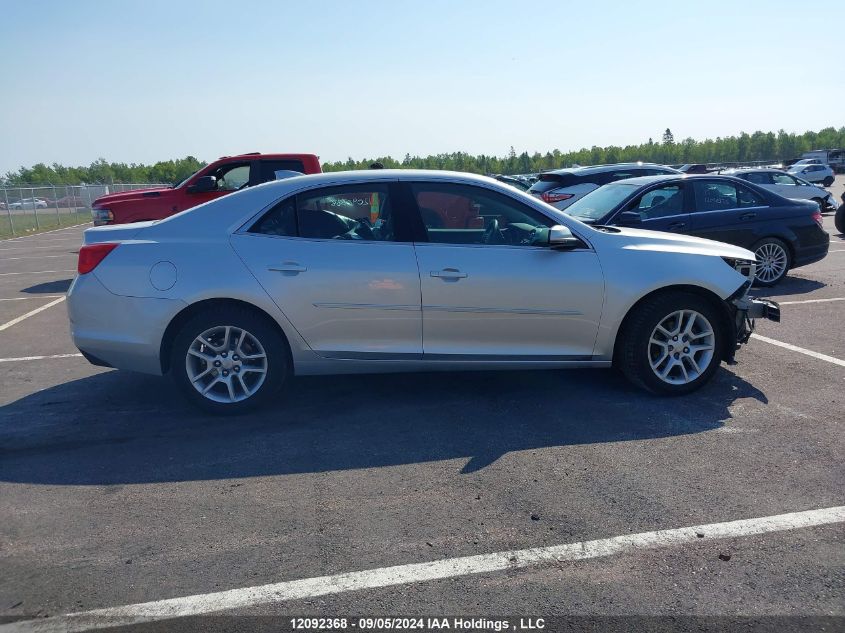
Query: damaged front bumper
{"x": 747, "y": 310}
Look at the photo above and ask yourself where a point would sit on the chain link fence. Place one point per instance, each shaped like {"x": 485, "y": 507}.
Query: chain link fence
{"x": 45, "y": 207}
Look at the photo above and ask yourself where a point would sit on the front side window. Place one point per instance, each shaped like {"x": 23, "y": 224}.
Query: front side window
{"x": 355, "y": 212}
{"x": 659, "y": 203}
{"x": 232, "y": 177}
{"x": 463, "y": 214}
{"x": 783, "y": 179}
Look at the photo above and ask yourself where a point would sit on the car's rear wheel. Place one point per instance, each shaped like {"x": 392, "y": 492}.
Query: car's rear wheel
{"x": 671, "y": 343}
{"x": 229, "y": 360}
{"x": 772, "y": 261}
{"x": 828, "y": 181}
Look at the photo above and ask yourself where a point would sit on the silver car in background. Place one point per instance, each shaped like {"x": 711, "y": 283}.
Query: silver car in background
{"x": 383, "y": 271}
{"x": 787, "y": 185}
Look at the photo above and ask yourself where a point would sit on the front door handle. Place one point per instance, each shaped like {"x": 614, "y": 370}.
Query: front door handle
{"x": 676, "y": 226}
{"x": 748, "y": 216}
{"x": 288, "y": 267}
{"x": 448, "y": 274}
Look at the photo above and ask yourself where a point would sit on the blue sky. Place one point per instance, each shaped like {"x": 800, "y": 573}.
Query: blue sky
{"x": 146, "y": 81}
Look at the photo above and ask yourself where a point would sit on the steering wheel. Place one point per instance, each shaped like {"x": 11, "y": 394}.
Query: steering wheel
{"x": 492, "y": 234}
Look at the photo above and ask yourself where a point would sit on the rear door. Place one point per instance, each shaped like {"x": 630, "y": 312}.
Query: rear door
{"x": 339, "y": 263}
{"x": 727, "y": 211}
{"x": 662, "y": 208}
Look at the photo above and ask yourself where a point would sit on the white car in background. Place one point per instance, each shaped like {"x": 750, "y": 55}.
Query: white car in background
{"x": 813, "y": 173}
{"x": 787, "y": 185}
{"x": 29, "y": 203}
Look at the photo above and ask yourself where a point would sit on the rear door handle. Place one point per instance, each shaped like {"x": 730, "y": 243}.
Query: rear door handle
{"x": 676, "y": 226}
{"x": 748, "y": 216}
{"x": 288, "y": 267}
{"x": 448, "y": 273}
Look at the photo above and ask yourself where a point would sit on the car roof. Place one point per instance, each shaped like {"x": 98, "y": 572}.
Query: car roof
{"x": 746, "y": 170}
{"x": 595, "y": 169}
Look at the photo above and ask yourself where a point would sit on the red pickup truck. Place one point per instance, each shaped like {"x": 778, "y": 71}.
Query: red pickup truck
{"x": 225, "y": 175}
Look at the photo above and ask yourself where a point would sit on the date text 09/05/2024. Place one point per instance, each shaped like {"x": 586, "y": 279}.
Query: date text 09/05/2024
{"x": 418, "y": 624}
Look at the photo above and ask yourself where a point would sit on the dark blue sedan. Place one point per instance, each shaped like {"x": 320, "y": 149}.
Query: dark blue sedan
{"x": 783, "y": 233}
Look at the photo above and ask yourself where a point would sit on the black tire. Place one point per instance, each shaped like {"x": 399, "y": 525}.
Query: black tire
{"x": 771, "y": 242}
{"x": 839, "y": 219}
{"x": 819, "y": 202}
{"x": 277, "y": 362}
{"x": 828, "y": 181}
{"x": 633, "y": 344}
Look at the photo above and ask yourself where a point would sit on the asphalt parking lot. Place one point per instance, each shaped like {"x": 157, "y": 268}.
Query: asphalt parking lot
{"x": 113, "y": 491}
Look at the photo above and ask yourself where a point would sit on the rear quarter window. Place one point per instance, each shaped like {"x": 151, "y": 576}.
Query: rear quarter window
{"x": 548, "y": 182}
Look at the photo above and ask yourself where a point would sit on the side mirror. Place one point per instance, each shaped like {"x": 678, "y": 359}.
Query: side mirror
{"x": 628, "y": 218}
{"x": 206, "y": 183}
{"x": 561, "y": 239}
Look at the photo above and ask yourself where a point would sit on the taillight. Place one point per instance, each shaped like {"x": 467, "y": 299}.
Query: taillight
{"x": 817, "y": 216}
{"x": 91, "y": 256}
{"x": 551, "y": 196}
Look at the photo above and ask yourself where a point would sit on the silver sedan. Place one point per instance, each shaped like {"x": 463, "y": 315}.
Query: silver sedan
{"x": 384, "y": 271}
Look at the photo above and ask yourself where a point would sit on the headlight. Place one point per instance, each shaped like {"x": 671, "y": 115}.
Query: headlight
{"x": 102, "y": 216}
{"x": 744, "y": 267}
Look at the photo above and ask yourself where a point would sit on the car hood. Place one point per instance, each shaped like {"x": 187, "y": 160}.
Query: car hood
{"x": 134, "y": 194}
{"x": 641, "y": 239}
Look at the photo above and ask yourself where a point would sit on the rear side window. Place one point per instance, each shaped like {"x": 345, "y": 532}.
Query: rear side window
{"x": 270, "y": 167}
{"x": 341, "y": 213}
{"x": 758, "y": 177}
{"x": 720, "y": 196}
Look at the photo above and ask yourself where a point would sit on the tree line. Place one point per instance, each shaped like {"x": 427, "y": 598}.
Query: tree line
{"x": 779, "y": 145}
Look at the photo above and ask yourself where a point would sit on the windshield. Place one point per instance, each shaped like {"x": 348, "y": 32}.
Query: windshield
{"x": 188, "y": 178}
{"x": 597, "y": 203}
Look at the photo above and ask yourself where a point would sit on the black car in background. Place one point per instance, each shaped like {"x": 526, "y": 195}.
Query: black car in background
{"x": 783, "y": 233}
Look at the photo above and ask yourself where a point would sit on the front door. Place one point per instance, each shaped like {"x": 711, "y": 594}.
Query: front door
{"x": 230, "y": 177}
{"x": 491, "y": 287}
{"x": 664, "y": 208}
{"x": 333, "y": 261}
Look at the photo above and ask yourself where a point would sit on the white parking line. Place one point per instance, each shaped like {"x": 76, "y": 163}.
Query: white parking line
{"x": 64, "y": 228}
{"x": 418, "y": 572}
{"x": 33, "y": 297}
{"x": 33, "y": 248}
{"x": 800, "y": 350}
{"x": 23, "y": 317}
{"x": 9, "y": 259}
{"x": 41, "y": 272}
{"x": 792, "y": 303}
{"x": 23, "y": 358}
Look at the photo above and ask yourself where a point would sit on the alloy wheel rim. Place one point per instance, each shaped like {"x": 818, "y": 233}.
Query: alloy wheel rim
{"x": 681, "y": 347}
{"x": 226, "y": 364}
{"x": 771, "y": 262}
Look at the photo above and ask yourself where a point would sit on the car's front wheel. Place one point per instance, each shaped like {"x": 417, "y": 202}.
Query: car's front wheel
{"x": 229, "y": 360}
{"x": 671, "y": 343}
{"x": 772, "y": 261}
